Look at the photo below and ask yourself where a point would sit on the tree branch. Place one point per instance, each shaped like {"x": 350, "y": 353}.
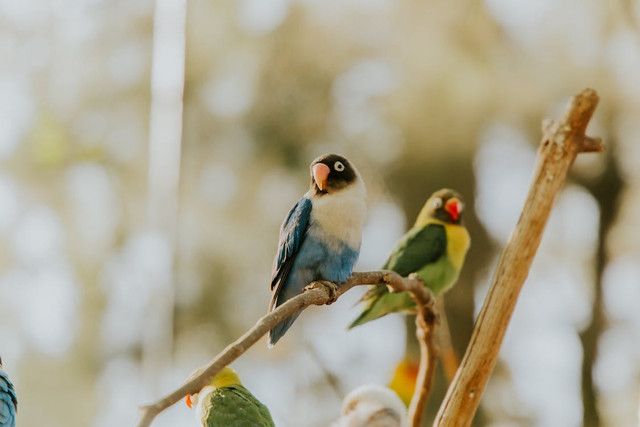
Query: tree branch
{"x": 561, "y": 143}
{"x": 317, "y": 293}
{"x": 425, "y": 328}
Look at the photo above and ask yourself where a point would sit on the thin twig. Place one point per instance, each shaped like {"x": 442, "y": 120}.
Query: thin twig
{"x": 317, "y": 293}
{"x": 425, "y": 328}
{"x": 332, "y": 380}
{"x": 561, "y": 143}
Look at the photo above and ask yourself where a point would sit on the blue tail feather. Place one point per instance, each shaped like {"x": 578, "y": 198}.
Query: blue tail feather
{"x": 281, "y": 328}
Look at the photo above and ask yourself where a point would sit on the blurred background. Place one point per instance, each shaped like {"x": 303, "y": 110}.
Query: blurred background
{"x": 149, "y": 152}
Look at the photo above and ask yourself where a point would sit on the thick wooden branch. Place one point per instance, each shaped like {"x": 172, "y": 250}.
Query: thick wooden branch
{"x": 317, "y": 293}
{"x": 561, "y": 143}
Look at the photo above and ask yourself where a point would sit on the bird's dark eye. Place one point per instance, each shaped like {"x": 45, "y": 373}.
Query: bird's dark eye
{"x": 338, "y": 166}
{"x": 436, "y": 203}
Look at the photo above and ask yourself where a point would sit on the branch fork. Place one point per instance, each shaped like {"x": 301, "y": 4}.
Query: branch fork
{"x": 316, "y": 293}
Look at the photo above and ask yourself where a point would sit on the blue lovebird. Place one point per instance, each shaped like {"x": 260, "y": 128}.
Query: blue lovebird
{"x": 8, "y": 400}
{"x": 320, "y": 237}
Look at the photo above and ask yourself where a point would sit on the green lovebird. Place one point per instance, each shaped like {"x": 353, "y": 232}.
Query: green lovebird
{"x": 434, "y": 249}
{"x": 225, "y": 402}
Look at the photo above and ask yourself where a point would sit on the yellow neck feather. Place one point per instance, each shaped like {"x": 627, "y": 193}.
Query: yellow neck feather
{"x": 424, "y": 217}
{"x": 225, "y": 378}
{"x": 458, "y": 241}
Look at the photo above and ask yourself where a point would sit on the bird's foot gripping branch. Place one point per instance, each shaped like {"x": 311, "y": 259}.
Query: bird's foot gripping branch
{"x": 330, "y": 287}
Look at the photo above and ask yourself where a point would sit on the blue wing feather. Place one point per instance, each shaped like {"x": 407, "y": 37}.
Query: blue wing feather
{"x": 292, "y": 234}
{"x": 8, "y": 402}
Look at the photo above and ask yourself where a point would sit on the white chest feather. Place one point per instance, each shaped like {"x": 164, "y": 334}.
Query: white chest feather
{"x": 203, "y": 397}
{"x": 341, "y": 214}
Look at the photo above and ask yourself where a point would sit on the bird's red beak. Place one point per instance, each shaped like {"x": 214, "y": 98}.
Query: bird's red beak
{"x": 453, "y": 207}
{"x": 188, "y": 401}
{"x": 320, "y": 175}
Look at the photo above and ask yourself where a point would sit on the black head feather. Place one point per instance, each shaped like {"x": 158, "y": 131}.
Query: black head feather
{"x": 439, "y": 206}
{"x": 342, "y": 173}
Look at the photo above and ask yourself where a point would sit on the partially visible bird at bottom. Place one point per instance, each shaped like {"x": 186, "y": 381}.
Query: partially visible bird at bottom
{"x": 225, "y": 402}
{"x": 8, "y": 400}
{"x": 404, "y": 378}
{"x": 372, "y": 406}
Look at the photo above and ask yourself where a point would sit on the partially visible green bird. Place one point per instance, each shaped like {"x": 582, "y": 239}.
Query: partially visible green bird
{"x": 435, "y": 249}
{"x": 225, "y": 402}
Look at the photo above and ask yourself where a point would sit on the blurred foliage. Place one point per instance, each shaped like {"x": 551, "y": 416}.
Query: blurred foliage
{"x": 410, "y": 91}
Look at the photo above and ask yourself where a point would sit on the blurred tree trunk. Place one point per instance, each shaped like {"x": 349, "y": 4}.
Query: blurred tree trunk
{"x": 606, "y": 190}
{"x": 165, "y": 143}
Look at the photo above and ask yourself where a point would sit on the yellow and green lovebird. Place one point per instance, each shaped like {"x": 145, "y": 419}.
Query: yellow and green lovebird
{"x": 225, "y": 402}
{"x": 434, "y": 249}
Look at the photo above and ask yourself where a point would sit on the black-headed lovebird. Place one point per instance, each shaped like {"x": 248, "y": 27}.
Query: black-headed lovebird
{"x": 225, "y": 402}
{"x": 434, "y": 249}
{"x": 8, "y": 400}
{"x": 320, "y": 237}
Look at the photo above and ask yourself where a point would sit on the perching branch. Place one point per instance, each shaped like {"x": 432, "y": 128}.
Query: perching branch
{"x": 317, "y": 293}
{"x": 562, "y": 141}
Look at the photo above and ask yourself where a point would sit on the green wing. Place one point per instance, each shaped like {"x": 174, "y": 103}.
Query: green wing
{"x": 416, "y": 249}
{"x": 235, "y": 406}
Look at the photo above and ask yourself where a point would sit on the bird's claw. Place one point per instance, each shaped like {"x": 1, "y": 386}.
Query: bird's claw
{"x": 330, "y": 287}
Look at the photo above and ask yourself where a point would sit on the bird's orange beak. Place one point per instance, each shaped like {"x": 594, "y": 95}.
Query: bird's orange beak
{"x": 188, "y": 401}
{"x": 453, "y": 207}
{"x": 320, "y": 175}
